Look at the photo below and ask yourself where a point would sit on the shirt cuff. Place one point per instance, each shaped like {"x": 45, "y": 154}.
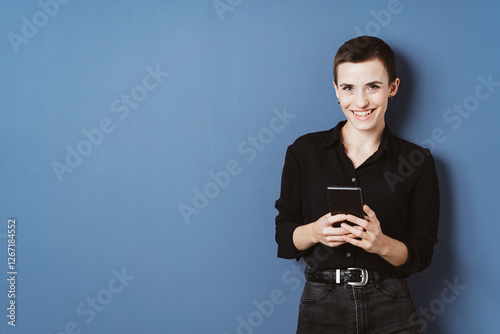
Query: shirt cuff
{"x": 286, "y": 247}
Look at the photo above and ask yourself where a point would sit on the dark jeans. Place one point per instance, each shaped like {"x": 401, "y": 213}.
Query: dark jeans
{"x": 383, "y": 306}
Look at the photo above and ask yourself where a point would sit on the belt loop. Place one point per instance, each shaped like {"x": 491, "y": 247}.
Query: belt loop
{"x": 305, "y": 272}
{"x": 332, "y": 277}
{"x": 377, "y": 279}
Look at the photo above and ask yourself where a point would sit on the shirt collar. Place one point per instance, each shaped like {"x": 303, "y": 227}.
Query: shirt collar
{"x": 333, "y": 135}
{"x": 387, "y": 145}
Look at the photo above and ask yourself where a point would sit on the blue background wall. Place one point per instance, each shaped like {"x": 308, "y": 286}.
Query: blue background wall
{"x": 118, "y": 118}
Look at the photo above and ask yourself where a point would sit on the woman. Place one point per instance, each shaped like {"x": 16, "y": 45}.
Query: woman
{"x": 355, "y": 275}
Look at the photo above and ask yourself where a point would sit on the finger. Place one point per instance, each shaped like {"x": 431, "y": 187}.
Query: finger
{"x": 369, "y": 212}
{"x": 334, "y": 231}
{"x": 336, "y": 218}
{"x": 353, "y": 241}
{"x": 336, "y": 244}
{"x": 323, "y": 221}
{"x": 325, "y": 217}
{"x": 352, "y": 230}
{"x": 335, "y": 238}
{"x": 356, "y": 220}
{"x": 333, "y": 242}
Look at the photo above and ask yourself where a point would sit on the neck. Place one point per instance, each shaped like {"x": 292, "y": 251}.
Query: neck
{"x": 357, "y": 140}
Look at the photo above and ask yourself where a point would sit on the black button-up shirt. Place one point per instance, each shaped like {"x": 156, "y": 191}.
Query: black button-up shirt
{"x": 398, "y": 182}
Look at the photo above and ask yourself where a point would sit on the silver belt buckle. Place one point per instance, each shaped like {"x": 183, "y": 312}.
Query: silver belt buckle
{"x": 364, "y": 277}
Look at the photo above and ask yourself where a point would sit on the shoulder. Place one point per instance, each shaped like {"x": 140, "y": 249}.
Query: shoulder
{"x": 409, "y": 149}
{"x": 317, "y": 140}
{"x": 312, "y": 140}
{"x": 409, "y": 156}
{"x": 412, "y": 165}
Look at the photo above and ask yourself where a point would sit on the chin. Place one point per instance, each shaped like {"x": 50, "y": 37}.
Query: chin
{"x": 367, "y": 125}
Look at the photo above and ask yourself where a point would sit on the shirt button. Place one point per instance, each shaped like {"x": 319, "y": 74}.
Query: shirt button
{"x": 348, "y": 254}
{"x": 353, "y": 179}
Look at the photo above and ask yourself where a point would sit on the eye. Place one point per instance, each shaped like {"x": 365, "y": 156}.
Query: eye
{"x": 373, "y": 87}
{"x": 347, "y": 88}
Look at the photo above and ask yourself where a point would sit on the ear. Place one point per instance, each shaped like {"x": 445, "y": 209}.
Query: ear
{"x": 393, "y": 87}
{"x": 336, "y": 89}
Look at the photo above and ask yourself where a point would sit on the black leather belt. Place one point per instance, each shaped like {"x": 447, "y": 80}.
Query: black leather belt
{"x": 351, "y": 276}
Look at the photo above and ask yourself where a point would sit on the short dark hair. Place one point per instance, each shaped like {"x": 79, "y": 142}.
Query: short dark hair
{"x": 364, "y": 48}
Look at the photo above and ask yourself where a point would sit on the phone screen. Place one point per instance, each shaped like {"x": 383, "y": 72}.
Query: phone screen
{"x": 347, "y": 200}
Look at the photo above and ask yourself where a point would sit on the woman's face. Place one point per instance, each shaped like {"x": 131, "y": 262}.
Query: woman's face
{"x": 363, "y": 90}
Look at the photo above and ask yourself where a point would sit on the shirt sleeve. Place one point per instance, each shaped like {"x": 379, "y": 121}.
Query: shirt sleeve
{"x": 423, "y": 219}
{"x": 289, "y": 206}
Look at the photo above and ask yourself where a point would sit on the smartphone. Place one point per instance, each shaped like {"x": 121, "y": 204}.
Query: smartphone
{"x": 346, "y": 200}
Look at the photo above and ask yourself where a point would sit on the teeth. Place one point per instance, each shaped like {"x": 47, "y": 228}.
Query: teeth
{"x": 362, "y": 113}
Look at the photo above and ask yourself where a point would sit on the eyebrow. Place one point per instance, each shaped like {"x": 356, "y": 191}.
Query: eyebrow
{"x": 368, "y": 84}
{"x": 375, "y": 82}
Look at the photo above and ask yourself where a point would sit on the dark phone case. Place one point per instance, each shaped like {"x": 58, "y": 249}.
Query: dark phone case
{"x": 347, "y": 200}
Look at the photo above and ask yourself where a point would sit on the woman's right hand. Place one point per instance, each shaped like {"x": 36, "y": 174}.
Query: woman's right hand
{"x": 328, "y": 235}
{"x": 321, "y": 231}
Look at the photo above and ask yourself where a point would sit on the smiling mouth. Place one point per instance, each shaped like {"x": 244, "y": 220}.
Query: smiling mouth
{"x": 362, "y": 113}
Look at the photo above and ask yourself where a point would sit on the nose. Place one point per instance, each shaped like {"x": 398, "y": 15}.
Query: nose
{"x": 361, "y": 100}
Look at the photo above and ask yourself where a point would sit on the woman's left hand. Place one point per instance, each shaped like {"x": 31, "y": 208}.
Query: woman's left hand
{"x": 371, "y": 238}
